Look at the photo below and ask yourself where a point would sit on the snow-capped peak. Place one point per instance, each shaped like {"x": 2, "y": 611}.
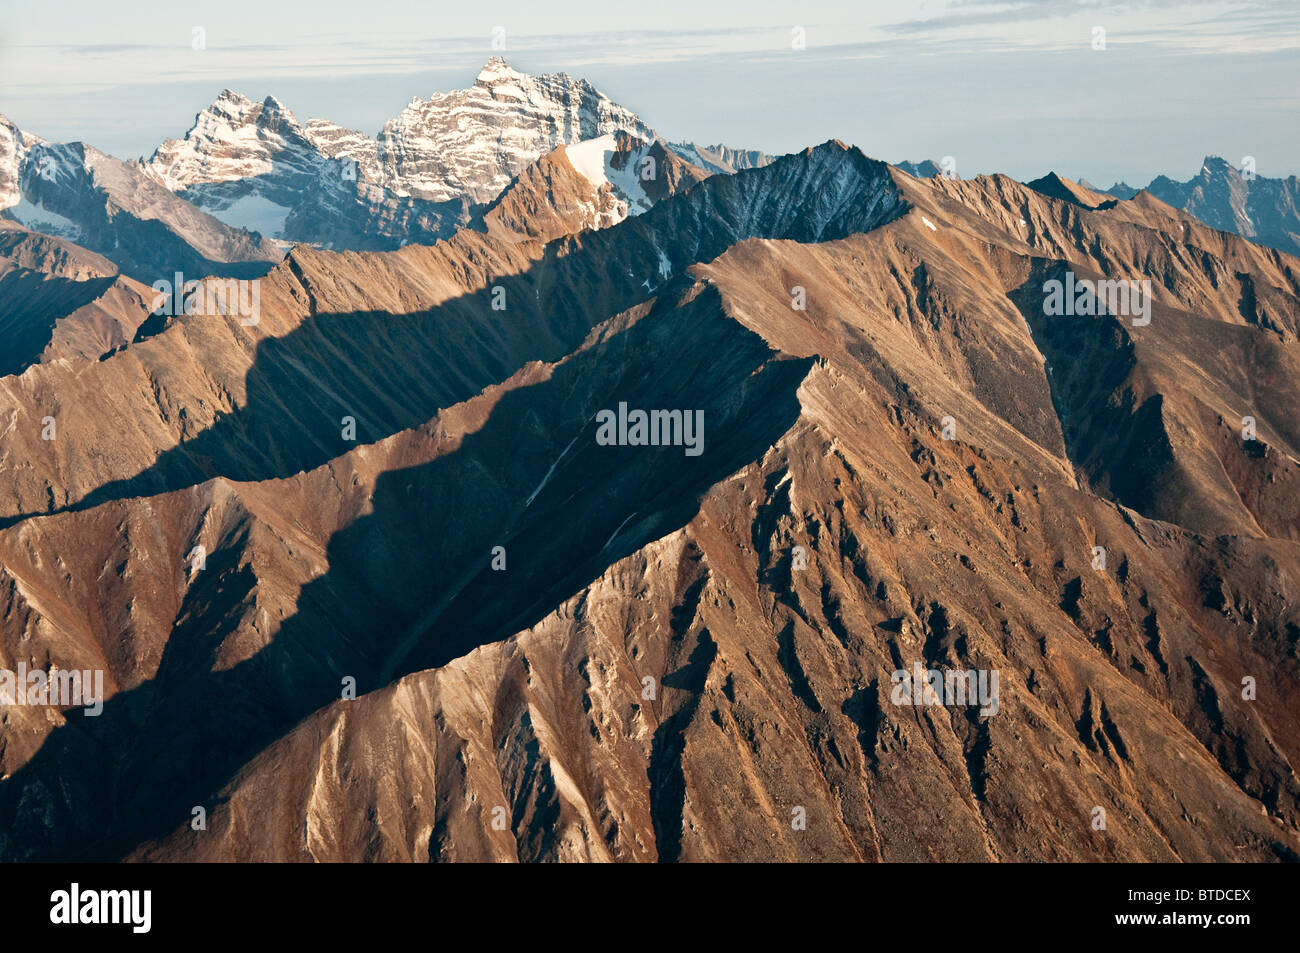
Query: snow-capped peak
{"x": 254, "y": 164}
{"x": 234, "y": 138}
{"x": 497, "y": 71}
{"x": 14, "y": 147}
{"x": 229, "y": 95}
{"x": 472, "y": 142}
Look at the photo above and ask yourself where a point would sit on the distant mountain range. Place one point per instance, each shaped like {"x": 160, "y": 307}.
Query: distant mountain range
{"x": 1222, "y": 196}
{"x": 112, "y": 207}
{"x": 257, "y": 175}
{"x": 1263, "y": 209}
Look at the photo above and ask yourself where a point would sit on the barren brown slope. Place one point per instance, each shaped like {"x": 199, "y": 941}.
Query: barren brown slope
{"x": 386, "y": 339}
{"x": 773, "y": 683}
{"x": 1153, "y": 414}
{"x": 524, "y": 689}
{"x": 59, "y": 300}
{"x": 551, "y": 199}
{"x": 262, "y": 673}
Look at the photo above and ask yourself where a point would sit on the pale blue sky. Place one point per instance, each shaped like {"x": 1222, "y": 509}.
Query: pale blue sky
{"x": 1001, "y": 85}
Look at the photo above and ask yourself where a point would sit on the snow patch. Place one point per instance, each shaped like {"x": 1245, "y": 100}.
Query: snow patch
{"x": 929, "y": 224}
{"x": 627, "y": 184}
{"x": 41, "y": 219}
{"x": 614, "y": 535}
{"x": 549, "y": 473}
{"x": 589, "y": 159}
{"x": 594, "y": 161}
{"x": 255, "y": 213}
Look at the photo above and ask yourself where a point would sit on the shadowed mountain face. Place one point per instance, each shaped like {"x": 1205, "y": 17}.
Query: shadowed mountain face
{"x": 78, "y": 193}
{"x": 58, "y": 300}
{"x": 441, "y": 616}
{"x": 322, "y": 349}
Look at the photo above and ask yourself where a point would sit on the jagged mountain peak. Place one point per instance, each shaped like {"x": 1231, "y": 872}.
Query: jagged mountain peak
{"x": 719, "y": 158}
{"x": 233, "y": 138}
{"x": 1231, "y": 199}
{"x": 232, "y": 105}
{"x": 1056, "y": 186}
{"x": 496, "y": 70}
{"x": 253, "y": 163}
{"x": 925, "y": 169}
{"x": 836, "y": 150}
{"x": 1218, "y": 165}
{"x": 472, "y": 142}
{"x": 234, "y": 108}
{"x": 228, "y": 95}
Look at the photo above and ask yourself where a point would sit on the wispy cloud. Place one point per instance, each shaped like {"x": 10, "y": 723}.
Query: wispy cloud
{"x": 1228, "y": 25}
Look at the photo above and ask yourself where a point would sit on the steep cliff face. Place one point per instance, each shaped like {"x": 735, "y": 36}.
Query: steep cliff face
{"x": 75, "y": 192}
{"x": 14, "y": 146}
{"x": 564, "y": 649}
{"x": 474, "y": 141}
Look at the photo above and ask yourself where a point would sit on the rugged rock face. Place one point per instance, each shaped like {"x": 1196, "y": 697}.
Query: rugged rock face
{"x": 237, "y": 139}
{"x": 721, "y": 158}
{"x": 589, "y": 185}
{"x": 14, "y": 145}
{"x": 430, "y": 170}
{"x": 73, "y": 191}
{"x": 905, "y": 460}
{"x": 1262, "y": 209}
{"x": 925, "y": 169}
{"x": 473, "y": 142}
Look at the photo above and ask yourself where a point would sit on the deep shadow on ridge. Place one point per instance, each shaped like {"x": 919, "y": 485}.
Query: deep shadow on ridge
{"x": 393, "y": 372}
{"x": 409, "y": 585}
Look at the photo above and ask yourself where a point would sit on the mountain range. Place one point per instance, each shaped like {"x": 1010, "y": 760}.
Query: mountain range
{"x": 366, "y": 583}
{"x": 249, "y": 174}
{"x": 1262, "y": 209}
{"x": 265, "y": 178}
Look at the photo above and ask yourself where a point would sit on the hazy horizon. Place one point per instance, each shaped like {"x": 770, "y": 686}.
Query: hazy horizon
{"x": 935, "y": 79}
